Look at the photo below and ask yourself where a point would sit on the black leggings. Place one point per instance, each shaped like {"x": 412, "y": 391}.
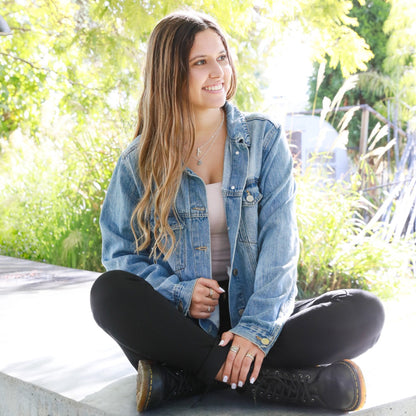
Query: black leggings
{"x": 336, "y": 325}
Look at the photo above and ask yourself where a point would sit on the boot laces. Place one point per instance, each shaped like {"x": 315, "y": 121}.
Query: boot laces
{"x": 179, "y": 384}
{"x": 286, "y": 387}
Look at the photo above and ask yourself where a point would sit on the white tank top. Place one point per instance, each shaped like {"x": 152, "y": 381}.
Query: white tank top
{"x": 220, "y": 246}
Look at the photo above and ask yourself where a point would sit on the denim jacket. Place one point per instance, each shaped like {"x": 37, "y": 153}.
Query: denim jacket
{"x": 258, "y": 191}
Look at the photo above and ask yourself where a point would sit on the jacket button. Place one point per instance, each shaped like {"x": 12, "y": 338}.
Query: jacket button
{"x": 265, "y": 341}
{"x": 240, "y": 312}
{"x": 235, "y": 272}
{"x": 250, "y": 198}
{"x": 232, "y": 187}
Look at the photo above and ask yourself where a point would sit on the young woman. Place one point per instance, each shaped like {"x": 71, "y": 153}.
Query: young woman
{"x": 200, "y": 240}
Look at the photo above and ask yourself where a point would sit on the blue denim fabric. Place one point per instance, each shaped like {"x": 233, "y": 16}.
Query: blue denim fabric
{"x": 259, "y": 196}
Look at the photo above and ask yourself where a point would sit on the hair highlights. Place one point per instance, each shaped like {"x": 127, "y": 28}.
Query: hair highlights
{"x": 166, "y": 126}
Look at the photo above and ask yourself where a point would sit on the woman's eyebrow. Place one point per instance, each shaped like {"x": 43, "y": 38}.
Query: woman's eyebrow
{"x": 204, "y": 56}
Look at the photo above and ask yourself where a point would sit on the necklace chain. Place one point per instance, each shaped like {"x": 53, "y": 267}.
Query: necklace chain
{"x": 201, "y": 155}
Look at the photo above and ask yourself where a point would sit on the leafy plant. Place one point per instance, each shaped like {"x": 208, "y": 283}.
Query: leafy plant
{"x": 338, "y": 247}
{"x": 51, "y": 198}
{"x": 337, "y": 250}
{"x": 371, "y": 17}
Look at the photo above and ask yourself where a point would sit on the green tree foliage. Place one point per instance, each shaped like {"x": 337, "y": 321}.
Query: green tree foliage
{"x": 87, "y": 55}
{"x": 389, "y": 84}
{"x": 332, "y": 27}
{"x": 70, "y": 78}
{"x": 396, "y": 78}
{"x": 400, "y": 63}
{"x": 371, "y": 18}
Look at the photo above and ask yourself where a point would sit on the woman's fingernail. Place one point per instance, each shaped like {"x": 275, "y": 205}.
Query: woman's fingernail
{"x": 221, "y": 290}
{"x": 240, "y": 384}
{"x": 225, "y": 379}
{"x": 221, "y": 343}
{"x": 233, "y": 386}
{"x": 252, "y": 380}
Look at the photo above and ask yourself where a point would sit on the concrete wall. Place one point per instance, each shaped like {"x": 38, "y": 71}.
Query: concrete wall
{"x": 18, "y": 398}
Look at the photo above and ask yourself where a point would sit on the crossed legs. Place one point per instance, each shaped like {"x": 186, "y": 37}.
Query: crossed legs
{"x": 334, "y": 326}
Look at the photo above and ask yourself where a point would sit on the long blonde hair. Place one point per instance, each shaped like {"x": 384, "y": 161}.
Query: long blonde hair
{"x": 166, "y": 126}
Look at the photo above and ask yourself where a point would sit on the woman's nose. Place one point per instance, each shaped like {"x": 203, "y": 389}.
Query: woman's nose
{"x": 216, "y": 71}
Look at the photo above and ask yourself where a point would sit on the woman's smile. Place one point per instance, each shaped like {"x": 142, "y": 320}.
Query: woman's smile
{"x": 209, "y": 71}
{"x": 214, "y": 88}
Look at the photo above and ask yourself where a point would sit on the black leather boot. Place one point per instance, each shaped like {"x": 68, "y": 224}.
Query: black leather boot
{"x": 157, "y": 384}
{"x": 339, "y": 386}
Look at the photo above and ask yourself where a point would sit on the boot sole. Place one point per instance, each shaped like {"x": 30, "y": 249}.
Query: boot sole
{"x": 360, "y": 388}
{"x": 144, "y": 385}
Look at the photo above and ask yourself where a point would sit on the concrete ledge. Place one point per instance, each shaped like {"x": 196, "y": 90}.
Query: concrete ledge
{"x": 56, "y": 361}
{"x": 24, "y": 398}
{"x": 404, "y": 407}
{"x": 19, "y": 398}
{"x": 225, "y": 403}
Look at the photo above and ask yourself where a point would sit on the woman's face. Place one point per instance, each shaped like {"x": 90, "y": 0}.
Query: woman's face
{"x": 209, "y": 71}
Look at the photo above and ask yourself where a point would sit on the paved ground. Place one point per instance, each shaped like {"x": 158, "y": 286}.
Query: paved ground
{"x": 48, "y": 338}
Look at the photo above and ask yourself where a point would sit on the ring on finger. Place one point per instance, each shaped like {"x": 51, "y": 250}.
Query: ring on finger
{"x": 235, "y": 348}
{"x": 209, "y": 309}
{"x": 211, "y": 293}
{"x": 250, "y": 355}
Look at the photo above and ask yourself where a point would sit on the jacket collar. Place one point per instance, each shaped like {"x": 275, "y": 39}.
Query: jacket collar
{"x": 237, "y": 128}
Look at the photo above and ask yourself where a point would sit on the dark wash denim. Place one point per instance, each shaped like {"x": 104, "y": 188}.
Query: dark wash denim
{"x": 336, "y": 325}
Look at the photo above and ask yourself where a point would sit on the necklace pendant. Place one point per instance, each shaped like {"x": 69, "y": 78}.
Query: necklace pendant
{"x": 199, "y": 163}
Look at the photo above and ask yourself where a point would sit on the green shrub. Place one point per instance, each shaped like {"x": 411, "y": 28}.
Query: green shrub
{"x": 50, "y": 198}
{"x": 337, "y": 251}
{"x": 51, "y": 194}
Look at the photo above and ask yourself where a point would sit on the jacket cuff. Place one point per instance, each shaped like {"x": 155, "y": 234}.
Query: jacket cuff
{"x": 182, "y": 295}
{"x": 257, "y": 336}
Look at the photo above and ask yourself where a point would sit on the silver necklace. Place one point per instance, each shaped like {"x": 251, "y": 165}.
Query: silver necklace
{"x": 200, "y": 155}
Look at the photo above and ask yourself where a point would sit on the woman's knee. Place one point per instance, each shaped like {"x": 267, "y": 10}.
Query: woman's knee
{"x": 368, "y": 309}
{"x": 100, "y": 291}
{"x": 103, "y": 285}
{"x": 110, "y": 289}
{"x": 367, "y": 302}
{"x": 114, "y": 281}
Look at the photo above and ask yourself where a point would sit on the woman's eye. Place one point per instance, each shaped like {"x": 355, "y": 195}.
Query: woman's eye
{"x": 222, "y": 58}
{"x": 200, "y": 62}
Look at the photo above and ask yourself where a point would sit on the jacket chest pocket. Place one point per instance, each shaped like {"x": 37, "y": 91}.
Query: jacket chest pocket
{"x": 251, "y": 194}
{"x": 251, "y": 197}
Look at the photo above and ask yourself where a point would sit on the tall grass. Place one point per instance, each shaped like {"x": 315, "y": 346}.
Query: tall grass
{"x": 50, "y": 198}
{"x": 337, "y": 249}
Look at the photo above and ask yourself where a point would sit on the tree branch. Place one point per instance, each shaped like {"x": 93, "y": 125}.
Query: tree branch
{"x": 39, "y": 68}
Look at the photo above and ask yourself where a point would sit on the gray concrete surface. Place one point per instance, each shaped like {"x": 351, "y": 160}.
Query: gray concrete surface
{"x": 19, "y": 398}
{"x": 51, "y": 351}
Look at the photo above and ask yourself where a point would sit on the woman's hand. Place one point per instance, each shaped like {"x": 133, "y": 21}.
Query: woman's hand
{"x": 239, "y": 359}
{"x": 204, "y": 298}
